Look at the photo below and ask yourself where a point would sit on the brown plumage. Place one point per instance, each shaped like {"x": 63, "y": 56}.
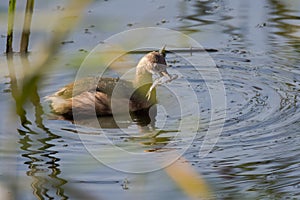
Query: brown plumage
{"x": 93, "y": 95}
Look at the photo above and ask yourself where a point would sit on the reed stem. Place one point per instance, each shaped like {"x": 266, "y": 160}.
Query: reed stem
{"x": 26, "y": 27}
{"x": 10, "y": 25}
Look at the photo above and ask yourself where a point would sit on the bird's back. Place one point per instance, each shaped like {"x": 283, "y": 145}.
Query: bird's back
{"x": 87, "y": 96}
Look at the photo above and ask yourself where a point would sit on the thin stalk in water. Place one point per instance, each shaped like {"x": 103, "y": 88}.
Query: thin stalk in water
{"x": 26, "y": 27}
{"x": 10, "y": 25}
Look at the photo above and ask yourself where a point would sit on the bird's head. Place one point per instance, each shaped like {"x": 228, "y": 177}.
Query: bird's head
{"x": 153, "y": 63}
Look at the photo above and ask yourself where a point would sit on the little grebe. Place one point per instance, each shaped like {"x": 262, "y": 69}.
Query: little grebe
{"x": 93, "y": 95}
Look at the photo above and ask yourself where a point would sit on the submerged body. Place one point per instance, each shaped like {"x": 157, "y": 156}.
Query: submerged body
{"x": 94, "y": 96}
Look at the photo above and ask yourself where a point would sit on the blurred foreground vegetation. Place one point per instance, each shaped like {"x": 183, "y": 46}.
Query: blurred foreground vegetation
{"x": 26, "y": 91}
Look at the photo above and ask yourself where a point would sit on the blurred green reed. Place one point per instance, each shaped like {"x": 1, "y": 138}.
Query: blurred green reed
{"x": 61, "y": 29}
{"x": 26, "y": 90}
{"x": 188, "y": 180}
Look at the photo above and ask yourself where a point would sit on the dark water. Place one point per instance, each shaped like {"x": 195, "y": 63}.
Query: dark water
{"x": 257, "y": 153}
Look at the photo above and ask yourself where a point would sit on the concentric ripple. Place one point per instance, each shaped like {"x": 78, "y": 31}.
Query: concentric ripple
{"x": 261, "y": 101}
{"x": 260, "y": 138}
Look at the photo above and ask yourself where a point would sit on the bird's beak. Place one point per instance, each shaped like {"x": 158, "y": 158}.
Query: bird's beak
{"x": 163, "y": 50}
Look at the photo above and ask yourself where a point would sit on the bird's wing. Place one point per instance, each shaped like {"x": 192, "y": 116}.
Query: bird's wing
{"x": 108, "y": 85}
{"x": 77, "y": 87}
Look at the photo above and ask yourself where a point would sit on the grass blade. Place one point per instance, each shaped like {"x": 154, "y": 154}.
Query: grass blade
{"x": 190, "y": 182}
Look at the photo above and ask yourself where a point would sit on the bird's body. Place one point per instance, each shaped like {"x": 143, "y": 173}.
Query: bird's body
{"x": 92, "y": 96}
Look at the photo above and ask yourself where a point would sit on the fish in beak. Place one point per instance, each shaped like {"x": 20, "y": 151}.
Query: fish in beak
{"x": 161, "y": 71}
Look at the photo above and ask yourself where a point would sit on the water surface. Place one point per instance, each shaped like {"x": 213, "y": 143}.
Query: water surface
{"x": 257, "y": 154}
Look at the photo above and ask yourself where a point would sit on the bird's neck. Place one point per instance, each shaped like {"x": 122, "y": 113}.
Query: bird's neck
{"x": 142, "y": 84}
{"x": 142, "y": 78}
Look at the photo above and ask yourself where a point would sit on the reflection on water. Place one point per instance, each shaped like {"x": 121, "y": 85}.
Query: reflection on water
{"x": 200, "y": 16}
{"x": 142, "y": 123}
{"x": 286, "y": 19}
{"x": 145, "y": 119}
{"x": 42, "y": 164}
